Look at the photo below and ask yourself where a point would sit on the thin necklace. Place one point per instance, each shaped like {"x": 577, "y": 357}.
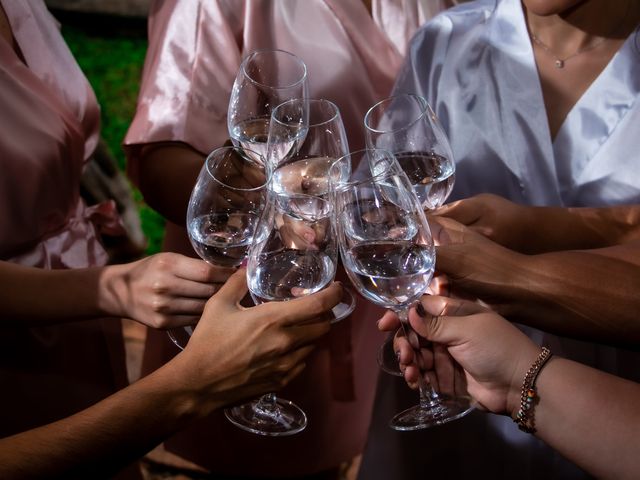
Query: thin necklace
{"x": 560, "y": 62}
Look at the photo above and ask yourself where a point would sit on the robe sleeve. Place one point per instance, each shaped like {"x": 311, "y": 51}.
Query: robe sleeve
{"x": 187, "y": 77}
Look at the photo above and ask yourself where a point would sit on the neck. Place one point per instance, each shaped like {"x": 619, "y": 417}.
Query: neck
{"x": 583, "y": 24}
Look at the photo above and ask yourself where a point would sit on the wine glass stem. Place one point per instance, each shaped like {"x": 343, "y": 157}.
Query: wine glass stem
{"x": 428, "y": 396}
{"x": 268, "y": 403}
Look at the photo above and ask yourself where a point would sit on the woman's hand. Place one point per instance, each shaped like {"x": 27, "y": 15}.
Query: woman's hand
{"x": 166, "y": 290}
{"x": 471, "y": 266}
{"x": 492, "y": 353}
{"x": 238, "y": 353}
{"x": 494, "y": 217}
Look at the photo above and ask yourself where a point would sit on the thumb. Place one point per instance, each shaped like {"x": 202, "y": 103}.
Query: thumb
{"x": 463, "y": 211}
{"x": 444, "y": 320}
{"x": 234, "y": 289}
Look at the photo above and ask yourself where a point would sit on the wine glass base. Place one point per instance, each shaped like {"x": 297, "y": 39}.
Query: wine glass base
{"x": 387, "y": 360}
{"x": 417, "y": 417}
{"x": 180, "y": 336}
{"x": 346, "y": 306}
{"x": 283, "y": 418}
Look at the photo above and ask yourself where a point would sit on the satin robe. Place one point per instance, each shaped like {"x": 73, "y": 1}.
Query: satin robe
{"x": 194, "y": 54}
{"x": 475, "y": 65}
{"x": 49, "y": 124}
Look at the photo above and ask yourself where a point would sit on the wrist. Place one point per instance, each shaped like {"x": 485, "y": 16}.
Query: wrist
{"x": 524, "y": 417}
{"x": 526, "y": 359}
{"x": 112, "y": 290}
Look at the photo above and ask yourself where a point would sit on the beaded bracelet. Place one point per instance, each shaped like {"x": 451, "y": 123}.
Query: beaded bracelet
{"x": 528, "y": 396}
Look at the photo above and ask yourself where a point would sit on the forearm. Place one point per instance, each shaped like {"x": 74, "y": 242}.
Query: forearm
{"x": 38, "y": 296}
{"x": 589, "y": 295}
{"x": 554, "y": 228}
{"x": 169, "y": 172}
{"x": 107, "y": 436}
{"x": 590, "y": 417}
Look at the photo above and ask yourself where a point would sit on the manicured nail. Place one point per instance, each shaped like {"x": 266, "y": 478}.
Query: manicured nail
{"x": 420, "y": 310}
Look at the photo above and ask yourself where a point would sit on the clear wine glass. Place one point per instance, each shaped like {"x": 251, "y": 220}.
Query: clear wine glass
{"x": 305, "y": 137}
{"x": 406, "y": 125}
{"x": 265, "y": 79}
{"x": 389, "y": 255}
{"x": 229, "y": 196}
{"x": 294, "y": 254}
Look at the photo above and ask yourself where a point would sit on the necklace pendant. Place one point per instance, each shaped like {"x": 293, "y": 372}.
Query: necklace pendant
{"x": 559, "y": 63}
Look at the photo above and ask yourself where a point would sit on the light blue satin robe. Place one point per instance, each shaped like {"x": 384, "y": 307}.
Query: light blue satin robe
{"x": 475, "y": 66}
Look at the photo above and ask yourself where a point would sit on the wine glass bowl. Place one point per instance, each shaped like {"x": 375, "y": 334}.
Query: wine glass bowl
{"x": 315, "y": 128}
{"x": 226, "y": 203}
{"x": 265, "y": 79}
{"x": 407, "y": 126}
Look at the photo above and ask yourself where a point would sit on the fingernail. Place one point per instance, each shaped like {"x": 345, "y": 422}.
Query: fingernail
{"x": 420, "y": 310}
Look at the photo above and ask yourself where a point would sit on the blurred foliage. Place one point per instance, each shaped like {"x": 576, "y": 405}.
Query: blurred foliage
{"x": 112, "y": 61}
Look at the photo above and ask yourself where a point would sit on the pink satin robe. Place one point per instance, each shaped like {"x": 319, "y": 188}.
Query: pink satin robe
{"x": 195, "y": 50}
{"x": 49, "y": 122}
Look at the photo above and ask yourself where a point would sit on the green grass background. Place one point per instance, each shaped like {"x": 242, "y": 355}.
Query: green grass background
{"x": 112, "y": 61}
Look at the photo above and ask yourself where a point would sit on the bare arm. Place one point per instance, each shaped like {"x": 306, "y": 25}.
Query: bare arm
{"x": 256, "y": 350}
{"x": 161, "y": 291}
{"x": 590, "y": 417}
{"x": 529, "y": 229}
{"x": 169, "y": 171}
{"x": 560, "y": 292}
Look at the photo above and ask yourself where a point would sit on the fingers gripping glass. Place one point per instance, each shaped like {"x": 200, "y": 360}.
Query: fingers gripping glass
{"x": 229, "y": 196}
{"x": 389, "y": 255}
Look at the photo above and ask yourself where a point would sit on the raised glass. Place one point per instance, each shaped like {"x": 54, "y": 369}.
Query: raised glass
{"x": 265, "y": 79}
{"x": 229, "y": 196}
{"x": 294, "y": 254}
{"x": 387, "y": 250}
{"x": 305, "y": 137}
{"x": 407, "y": 126}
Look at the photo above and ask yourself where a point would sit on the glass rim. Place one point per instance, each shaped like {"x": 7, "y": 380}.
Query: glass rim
{"x": 241, "y": 151}
{"x": 310, "y": 100}
{"x": 327, "y": 205}
{"x": 425, "y": 110}
{"x": 372, "y": 178}
{"x": 255, "y": 53}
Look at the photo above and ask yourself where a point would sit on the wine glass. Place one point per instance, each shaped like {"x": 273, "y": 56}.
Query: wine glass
{"x": 294, "y": 254}
{"x": 305, "y": 137}
{"x": 229, "y": 196}
{"x": 265, "y": 79}
{"x": 406, "y": 125}
{"x": 389, "y": 255}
